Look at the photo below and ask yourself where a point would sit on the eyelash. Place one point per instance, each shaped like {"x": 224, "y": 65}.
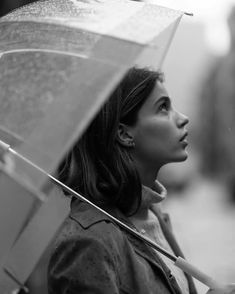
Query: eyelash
{"x": 165, "y": 106}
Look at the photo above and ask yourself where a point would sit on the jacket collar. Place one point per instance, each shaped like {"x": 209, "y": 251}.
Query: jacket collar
{"x": 87, "y": 215}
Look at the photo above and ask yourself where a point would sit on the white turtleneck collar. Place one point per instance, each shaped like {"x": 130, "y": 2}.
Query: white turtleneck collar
{"x": 152, "y": 195}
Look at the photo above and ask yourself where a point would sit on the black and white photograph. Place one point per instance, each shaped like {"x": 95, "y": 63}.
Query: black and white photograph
{"x": 117, "y": 142}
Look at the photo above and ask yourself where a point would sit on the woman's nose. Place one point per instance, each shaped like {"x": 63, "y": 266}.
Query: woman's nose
{"x": 182, "y": 120}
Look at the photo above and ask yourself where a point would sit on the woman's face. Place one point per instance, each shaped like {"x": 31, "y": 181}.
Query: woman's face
{"x": 160, "y": 133}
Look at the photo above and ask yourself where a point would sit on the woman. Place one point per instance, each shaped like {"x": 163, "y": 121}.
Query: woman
{"x": 115, "y": 164}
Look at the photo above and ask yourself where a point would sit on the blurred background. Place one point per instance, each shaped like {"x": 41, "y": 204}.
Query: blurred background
{"x": 200, "y": 75}
{"x": 200, "y": 78}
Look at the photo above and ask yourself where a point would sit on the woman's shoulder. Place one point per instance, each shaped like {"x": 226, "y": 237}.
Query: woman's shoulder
{"x": 87, "y": 223}
{"x": 89, "y": 244}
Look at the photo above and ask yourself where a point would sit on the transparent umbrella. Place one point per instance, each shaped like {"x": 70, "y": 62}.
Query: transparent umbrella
{"x": 60, "y": 60}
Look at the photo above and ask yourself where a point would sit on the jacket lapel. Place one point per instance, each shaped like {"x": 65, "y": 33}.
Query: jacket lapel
{"x": 164, "y": 221}
{"x": 149, "y": 254}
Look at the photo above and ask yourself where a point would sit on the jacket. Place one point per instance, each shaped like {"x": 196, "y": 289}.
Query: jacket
{"x": 94, "y": 255}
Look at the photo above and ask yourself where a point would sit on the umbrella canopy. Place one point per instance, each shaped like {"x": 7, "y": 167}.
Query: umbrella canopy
{"x": 59, "y": 62}
{"x": 46, "y": 46}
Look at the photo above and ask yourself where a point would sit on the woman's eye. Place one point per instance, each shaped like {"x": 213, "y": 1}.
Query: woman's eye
{"x": 164, "y": 106}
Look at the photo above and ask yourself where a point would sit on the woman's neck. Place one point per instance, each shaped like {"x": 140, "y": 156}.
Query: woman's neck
{"x": 148, "y": 174}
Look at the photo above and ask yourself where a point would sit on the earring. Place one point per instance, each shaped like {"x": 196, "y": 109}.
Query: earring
{"x": 132, "y": 144}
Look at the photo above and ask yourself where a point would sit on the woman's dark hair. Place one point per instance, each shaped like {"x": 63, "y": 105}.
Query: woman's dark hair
{"x": 98, "y": 166}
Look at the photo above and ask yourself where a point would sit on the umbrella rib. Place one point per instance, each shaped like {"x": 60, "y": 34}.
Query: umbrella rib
{"x": 42, "y": 50}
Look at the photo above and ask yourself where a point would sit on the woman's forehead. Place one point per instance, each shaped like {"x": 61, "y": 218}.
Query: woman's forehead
{"x": 158, "y": 92}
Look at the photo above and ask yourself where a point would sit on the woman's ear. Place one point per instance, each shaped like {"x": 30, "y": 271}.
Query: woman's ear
{"x": 124, "y": 136}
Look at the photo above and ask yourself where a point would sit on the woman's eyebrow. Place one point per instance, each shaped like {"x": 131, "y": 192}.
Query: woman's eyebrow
{"x": 162, "y": 98}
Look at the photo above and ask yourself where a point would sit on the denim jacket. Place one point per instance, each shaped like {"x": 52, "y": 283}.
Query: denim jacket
{"x": 94, "y": 255}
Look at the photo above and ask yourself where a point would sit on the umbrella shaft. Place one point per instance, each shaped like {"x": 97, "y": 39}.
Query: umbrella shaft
{"x": 82, "y": 198}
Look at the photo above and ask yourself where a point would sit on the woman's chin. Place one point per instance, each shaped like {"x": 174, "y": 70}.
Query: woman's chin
{"x": 182, "y": 156}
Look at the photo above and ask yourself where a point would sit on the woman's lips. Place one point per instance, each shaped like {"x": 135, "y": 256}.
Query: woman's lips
{"x": 183, "y": 138}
